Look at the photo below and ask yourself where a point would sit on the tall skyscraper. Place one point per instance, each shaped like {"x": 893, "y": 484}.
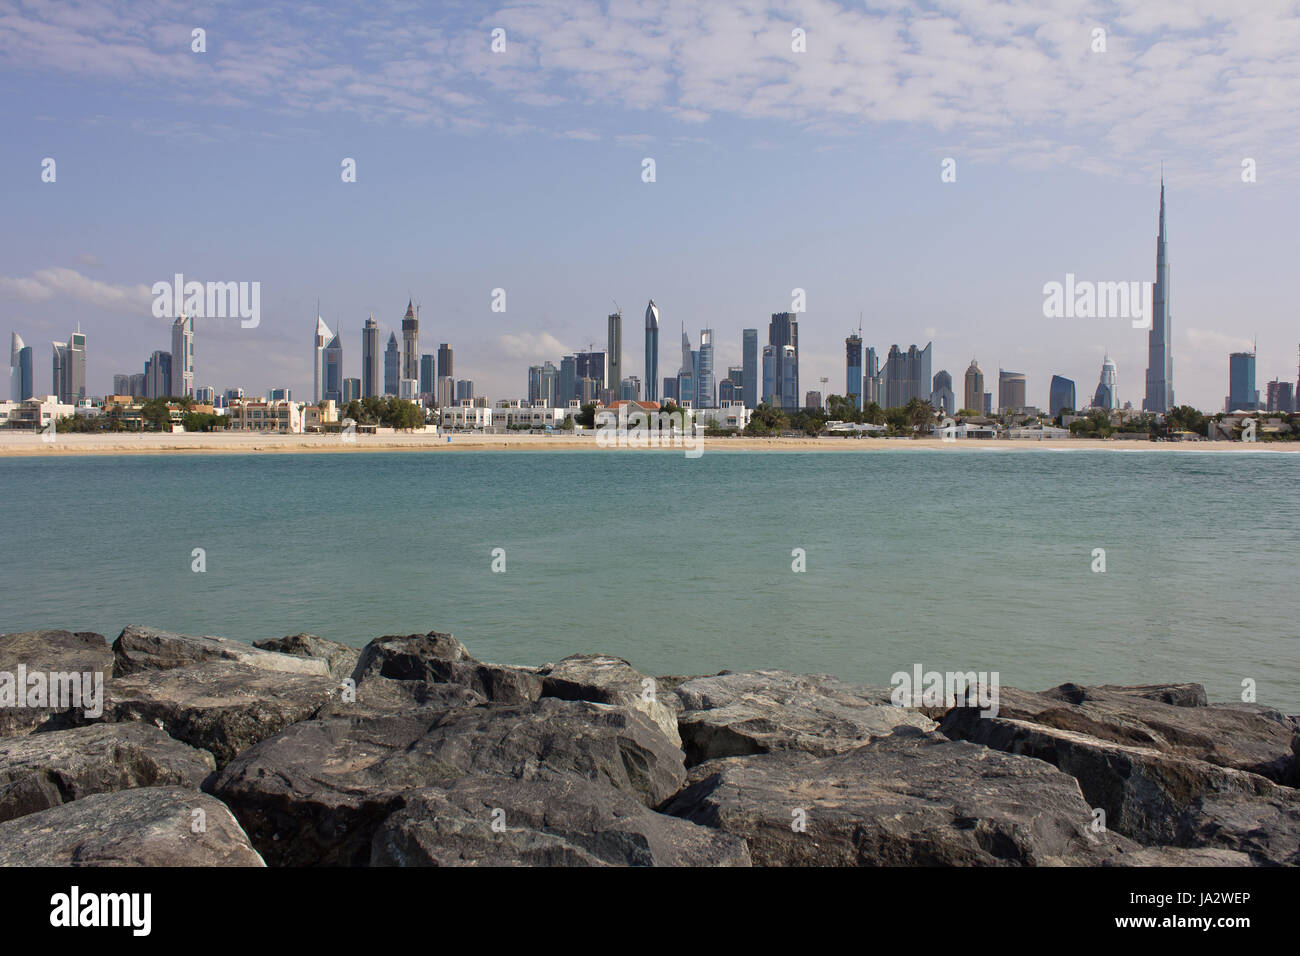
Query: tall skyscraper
{"x": 1160, "y": 357}
{"x": 783, "y": 331}
{"x": 369, "y": 358}
{"x": 974, "y": 398}
{"x": 1281, "y": 396}
{"x": 907, "y": 375}
{"x": 428, "y": 374}
{"x": 70, "y": 369}
{"x": 853, "y": 370}
{"x": 319, "y": 341}
{"x": 445, "y": 361}
{"x": 1011, "y": 391}
{"x": 21, "y": 385}
{"x": 183, "y": 356}
{"x": 770, "y": 396}
{"x": 942, "y": 398}
{"x": 1060, "y": 397}
{"x": 749, "y": 363}
{"x": 392, "y": 365}
{"x": 705, "y": 382}
{"x": 410, "y": 343}
{"x": 548, "y": 382}
{"x": 614, "y": 351}
{"x": 686, "y": 374}
{"x": 332, "y": 385}
{"x": 873, "y": 379}
{"x": 158, "y": 375}
{"x": 1106, "y": 397}
{"x": 568, "y": 384}
{"x": 1242, "y": 394}
{"x": 652, "y": 352}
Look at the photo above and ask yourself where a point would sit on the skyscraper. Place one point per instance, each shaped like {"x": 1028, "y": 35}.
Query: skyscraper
{"x": 783, "y": 331}
{"x": 686, "y": 374}
{"x": 332, "y": 384}
{"x": 182, "y": 383}
{"x": 1160, "y": 357}
{"x": 1242, "y": 394}
{"x": 70, "y": 369}
{"x": 873, "y": 380}
{"x": 428, "y": 374}
{"x": 319, "y": 341}
{"x": 974, "y": 399}
{"x": 749, "y": 362}
{"x": 1106, "y": 397}
{"x": 942, "y": 398}
{"x": 158, "y": 375}
{"x": 705, "y": 382}
{"x": 652, "y": 352}
{"x": 907, "y": 375}
{"x": 1061, "y": 396}
{"x": 853, "y": 370}
{"x": 445, "y": 361}
{"x": 614, "y": 351}
{"x": 568, "y": 385}
{"x": 392, "y": 365}
{"x": 410, "y": 343}
{"x": 21, "y": 385}
{"x": 1011, "y": 391}
{"x": 770, "y": 396}
{"x": 369, "y": 358}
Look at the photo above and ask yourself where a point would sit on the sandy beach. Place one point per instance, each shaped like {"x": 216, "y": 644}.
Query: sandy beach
{"x": 28, "y": 444}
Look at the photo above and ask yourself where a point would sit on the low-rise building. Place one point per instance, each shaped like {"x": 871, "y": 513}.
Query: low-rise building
{"x": 283, "y": 417}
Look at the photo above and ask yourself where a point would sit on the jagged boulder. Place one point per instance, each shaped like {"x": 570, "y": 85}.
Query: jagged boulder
{"x": 340, "y": 659}
{"x": 140, "y": 649}
{"x": 610, "y": 680}
{"x": 440, "y": 658}
{"x": 47, "y": 652}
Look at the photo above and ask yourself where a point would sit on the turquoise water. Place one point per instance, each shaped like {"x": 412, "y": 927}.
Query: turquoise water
{"x": 957, "y": 560}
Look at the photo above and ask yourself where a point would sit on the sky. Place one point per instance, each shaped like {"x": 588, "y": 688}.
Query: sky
{"x": 775, "y": 169}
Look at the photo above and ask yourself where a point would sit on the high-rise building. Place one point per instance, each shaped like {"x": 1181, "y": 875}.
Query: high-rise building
{"x": 351, "y": 390}
{"x": 988, "y": 404}
{"x": 158, "y": 375}
{"x": 411, "y": 343}
{"x": 392, "y": 365}
{"x": 21, "y": 385}
{"x": 183, "y": 356}
{"x": 588, "y": 366}
{"x": 873, "y": 379}
{"x": 1160, "y": 356}
{"x": 139, "y": 385}
{"x": 122, "y": 384}
{"x": 974, "y": 397}
{"x": 279, "y": 395}
{"x": 630, "y": 389}
{"x": 907, "y": 375}
{"x": 332, "y": 385}
{"x": 549, "y": 382}
{"x": 614, "y": 351}
{"x": 705, "y": 383}
{"x": 70, "y": 369}
{"x": 370, "y": 358}
{"x": 812, "y": 400}
{"x": 319, "y": 341}
{"x": 1281, "y": 396}
{"x": 203, "y": 394}
{"x": 853, "y": 370}
{"x": 446, "y": 391}
{"x": 729, "y": 391}
{"x": 1061, "y": 396}
{"x": 534, "y": 384}
{"x": 783, "y": 332}
{"x": 1011, "y": 391}
{"x": 1107, "y": 396}
{"x": 770, "y": 396}
{"x": 1242, "y": 394}
{"x": 651, "y": 352}
{"x": 464, "y": 390}
{"x": 428, "y": 373}
{"x": 686, "y": 387}
{"x": 670, "y": 390}
{"x": 445, "y": 369}
{"x": 568, "y": 386}
{"x": 749, "y": 362}
{"x": 942, "y": 398}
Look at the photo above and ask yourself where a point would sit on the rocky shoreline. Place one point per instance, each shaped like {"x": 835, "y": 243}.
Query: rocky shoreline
{"x": 410, "y": 752}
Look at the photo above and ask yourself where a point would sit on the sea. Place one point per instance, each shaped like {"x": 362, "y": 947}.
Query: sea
{"x": 1121, "y": 567}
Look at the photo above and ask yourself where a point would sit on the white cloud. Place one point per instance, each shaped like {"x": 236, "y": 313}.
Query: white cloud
{"x": 533, "y": 346}
{"x": 45, "y": 284}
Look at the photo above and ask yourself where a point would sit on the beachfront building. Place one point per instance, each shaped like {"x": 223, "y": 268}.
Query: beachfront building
{"x": 466, "y": 415}
{"x": 34, "y": 414}
{"x": 281, "y": 416}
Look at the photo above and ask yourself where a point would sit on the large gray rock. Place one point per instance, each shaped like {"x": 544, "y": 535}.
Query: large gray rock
{"x": 549, "y": 820}
{"x": 146, "y": 648}
{"x": 611, "y": 680}
{"x": 43, "y": 770}
{"x": 764, "y": 711}
{"x": 440, "y": 658}
{"x": 153, "y": 826}
{"x": 47, "y": 652}
{"x": 340, "y": 659}
{"x": 383, "y": 695}
{"x": 904, "y": 800}
{"x": 1264, "y": 827}
{"x": 316, "y": 792}
{"x": 221, "y": 707}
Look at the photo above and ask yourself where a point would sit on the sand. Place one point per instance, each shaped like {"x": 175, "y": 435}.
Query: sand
{"x": 29, "y": 444}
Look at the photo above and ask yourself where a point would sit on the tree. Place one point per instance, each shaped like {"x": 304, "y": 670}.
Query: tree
{"x": 767, "y": 420}
{"x": 587, "y": 416}
{"x": 873, "y": 414}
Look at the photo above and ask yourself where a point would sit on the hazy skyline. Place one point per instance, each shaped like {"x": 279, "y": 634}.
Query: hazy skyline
{"x": 775, "y": 170}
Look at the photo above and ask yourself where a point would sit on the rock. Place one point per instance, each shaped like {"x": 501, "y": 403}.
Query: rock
{"x": 150, "y": 826}
{"x": 1176, "y": 695}
{"x": 440, "y": 658}
{"x": 221, "y": 707}
{"x": 44, "y": 770}
{"x": 316, "y": 792}
{"x": 145, "y": 648}
{"x": 1265, "y": 827}
{"x": 340, "y": 659}
{"x": 47, "y": 652}
{"x": 1176, "y": 856}
{"x": 610, "y": 680}
{"x": 549, "y": 820}
{"x": 910, "y": 799}
{"x": 1145, "y": 792}
{"x": 764, "y": 711}
{"x": 382, "y": 695}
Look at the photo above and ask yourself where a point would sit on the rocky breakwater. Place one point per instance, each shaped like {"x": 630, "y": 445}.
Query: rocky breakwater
{"x": 410, "y": 752}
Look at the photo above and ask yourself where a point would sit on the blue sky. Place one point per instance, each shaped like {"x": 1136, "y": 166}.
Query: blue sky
{"x": 775, "y": 170}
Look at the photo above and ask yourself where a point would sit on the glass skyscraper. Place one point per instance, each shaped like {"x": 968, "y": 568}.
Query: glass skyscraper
{"x": 749, "y": 363}
{"x": 652, "y": 352}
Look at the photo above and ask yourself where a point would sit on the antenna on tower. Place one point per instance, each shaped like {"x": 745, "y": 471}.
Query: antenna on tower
{"x": 616, "y": 307}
